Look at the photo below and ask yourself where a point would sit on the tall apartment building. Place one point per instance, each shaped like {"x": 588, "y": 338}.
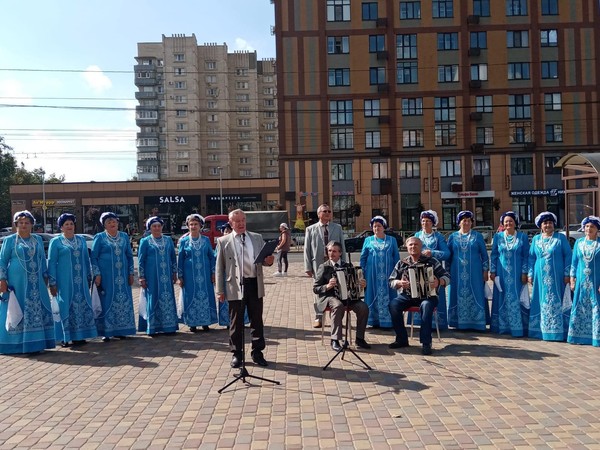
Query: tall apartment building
{"x": 443, "y": 104}
{"x": 203, "y": 112}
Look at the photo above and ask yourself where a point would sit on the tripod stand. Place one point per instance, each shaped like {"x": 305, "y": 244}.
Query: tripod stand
{"x": 346, "y": 344}
{"x": 243, "y": 374}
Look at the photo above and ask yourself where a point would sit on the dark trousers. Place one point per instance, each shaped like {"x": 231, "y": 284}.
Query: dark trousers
{"x": 282, "y": 261}
{"x": 254, "y": 305}
{"x": 400, "y": 304}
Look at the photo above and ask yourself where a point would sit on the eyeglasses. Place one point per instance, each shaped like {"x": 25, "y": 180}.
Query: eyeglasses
{"x": 326, "y": 210}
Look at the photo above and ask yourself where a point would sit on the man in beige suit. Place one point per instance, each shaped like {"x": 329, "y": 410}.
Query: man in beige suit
{"x": 237, "y": 276}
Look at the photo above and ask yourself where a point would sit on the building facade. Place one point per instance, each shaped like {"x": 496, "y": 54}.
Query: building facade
{"x": 204, "y": 113}
{"x": 400, "y": 106}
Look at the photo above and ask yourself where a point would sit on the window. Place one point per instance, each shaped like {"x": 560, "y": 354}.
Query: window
{"x": 369, "y": 11}
{"x": 447, "y": 41}
{"x": 445, "y": 109}
{"x": 213, "y": 144}
{"x": 180, "y": 113}
{"x": 211, "y": 104}
{"x": 183, "y": 168}
{"x": 552, "y": 102}
{"x": 245, "y": 160}
{"x": 241, "y": 85}
{"x": 179, "y": 71}
{"x": 214, "y": 170}
{"x": 519, "y": 106}
{"x": 410, "y": 10}
{"x": 181, "y": 140}
{"x": 450, "y": 168}
{"x": 246, "y": 173}
{"x": 338, "y": 45}
{"x": 479, "y": 72}
{"x": 212, "y": 118}
{"x": 213, "y": 157}
{"x": 244, "y": 135}
{"x": 269, "y": 102}
{"x": 242, "y": 72}
{"x": 340, "y": 112}
{"x": 269, "y": 138}
{"x": 484, "y": 135}
{"x": 410, "y": 169}
{"x": 521, "y": 166}
{"x": 481, "y": 8}
{"x": 379, "y": 170}
{"x": 407, "y": 73}
{"x": 549, "y": 70}
{"x": 448, "y": 74}
{"x": 342, "y": 138}
{"x": 549, "y": 163}
{"x": 549, "y": 38}
{"x": 517, "y": 39}
{"x": 519, "y": 132}
{"x": 143, "y": 74}
{"x": 180, "y": 126}
{"x": 377, "y": 75}
{"x": 210, "y": 65}
{"x": 372, "y": 108}
{"x": 442, "y": 8}
{"x": 179, "y": 57}
{"x": 478, "y": 39}
{"x": 373, "y": 139}
{"x": 180, "y": 84}
{"x": 412, "y": 138}
{"x": 518, "y": 71}
{"x": 212, "y": 92}
{"x": 554, "y": 133}
{"x": 146, "y": 114}
{"x": 412, "y": 106}
{"x": 180, "y": 99}
{"x": 242, "y": 97}
{"x": 339, "y": 77}
{"x": 406, "y": 46}
{"x": 483, "y": 103}
{"x": 269, "y": 126}
{"x": 341, "y": 171}
{"x": 549, "y": 7}
{"x": 212, "y": 131}
{"x": 376, "y": 43}
{"x": 243, "y": 122}
{"x": 147, "y": 142}
{"x": 180, "y": 155}
{"x": 516, "y": 7}
{"x": 445, "y": 134}
{"x": 481, "y": 167}
{"x": 269, "y": 114}
{"x": 338, "y": 10}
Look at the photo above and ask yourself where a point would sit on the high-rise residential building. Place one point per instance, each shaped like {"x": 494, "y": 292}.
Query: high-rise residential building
{"x": 204, "y": 112}
{"x": 400, "y": 106}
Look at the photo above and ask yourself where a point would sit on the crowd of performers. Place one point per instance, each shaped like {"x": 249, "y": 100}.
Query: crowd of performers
{"x": 543, "y": 289}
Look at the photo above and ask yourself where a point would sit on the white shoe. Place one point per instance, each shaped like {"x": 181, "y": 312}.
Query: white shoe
{"x": 277, "y": 274}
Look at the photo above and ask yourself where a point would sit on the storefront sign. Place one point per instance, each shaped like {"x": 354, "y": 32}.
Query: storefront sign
{"x": 236, "y": 198}
{"x": 58, "y": 203}
{"x": 538, "y": 193}
{"x": 468, "y": 194}
{"x": 168, "y": 199}
{"x": 343, "y": 192}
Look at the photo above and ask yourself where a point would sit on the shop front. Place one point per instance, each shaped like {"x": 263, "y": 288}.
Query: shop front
{"x": 247, "y": 202}
{"x": 454, "y": 202}
{"x": 172, "y": 209}
{"x": 523, "y": 203}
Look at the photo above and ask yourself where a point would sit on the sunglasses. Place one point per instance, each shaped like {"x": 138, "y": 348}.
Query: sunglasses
{"x": 326, "y": 210}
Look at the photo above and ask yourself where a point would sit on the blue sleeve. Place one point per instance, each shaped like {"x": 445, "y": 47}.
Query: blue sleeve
{"x": 450, "y": 248}
{"x": 524, "y": 253}
{"x": 5, "y": 251}
{"x": 39, "y": 243}
{"x": 442, "y": 253}
{"x": 128, "y": 253}
{"x": 181, "y": 257}
{"x": 483, "y": 252}
{"x": 575, "y": 259}
{"x": 142, "y": 252}
{"x": 96, "y": 255}
{"x": 567, "y": 253}
{"x": 495, "y": 253}
{"x": 172, "y": 256}
{"x": 364, "y": 253}
{"x": 53, "y": 260}
{"x": 532, "y": 257}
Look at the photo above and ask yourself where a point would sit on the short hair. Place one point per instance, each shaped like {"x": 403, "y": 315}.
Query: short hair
{"x": 414, "y": 238}
{"x": 235, "y": 212}
{"x": 324, "y": 205}
{"x": 334, "y": 244}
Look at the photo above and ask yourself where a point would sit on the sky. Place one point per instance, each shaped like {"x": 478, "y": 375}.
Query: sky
{"x": 67, "y": 92}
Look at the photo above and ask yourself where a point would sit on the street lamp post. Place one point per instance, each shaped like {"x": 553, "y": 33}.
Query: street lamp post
{"x": 220, "y": 169}
{"x": 429, "y": 179}
{"x": 44, "y": 200}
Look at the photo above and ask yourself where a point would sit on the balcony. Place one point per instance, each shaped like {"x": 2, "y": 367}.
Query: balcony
{"x": 146, "y": 121}
{"x": 145, "y": 95}
{"x": 147, "y": 135}
{"x": 150, "y": 81}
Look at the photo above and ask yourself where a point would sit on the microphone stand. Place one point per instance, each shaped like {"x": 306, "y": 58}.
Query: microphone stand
{"x": 243, "y": 371}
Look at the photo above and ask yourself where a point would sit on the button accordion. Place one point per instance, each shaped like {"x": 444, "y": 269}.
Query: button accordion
{"x": 348, "y": 283}
{"x": 421, "y": 278}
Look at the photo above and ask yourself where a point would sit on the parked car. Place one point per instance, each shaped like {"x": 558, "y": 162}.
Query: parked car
{"x": 6, "y": 231}
{"x": 89, "y": 240}
{"x": 573, "y": 234}
{"x": 355, "y": 244}
{"x": 487, "y": 231}
{"x": 530, "y": 229}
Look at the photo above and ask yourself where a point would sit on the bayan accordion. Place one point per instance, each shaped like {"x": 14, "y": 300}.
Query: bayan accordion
{"x": 421, "y": 277}
{"x": 348, "y": 283}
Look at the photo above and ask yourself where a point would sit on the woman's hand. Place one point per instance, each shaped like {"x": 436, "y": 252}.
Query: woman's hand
{"x": 523, "y": 278}
{"x": 3, "y": 286}
{"x": 98, "y": 280}
{"x": 180, "y": 282}
{"x": 573, "y": 283}
{"x": 143, "y": 283}
{"x": 492, "y": 276}
{"x": 53, "y": 291}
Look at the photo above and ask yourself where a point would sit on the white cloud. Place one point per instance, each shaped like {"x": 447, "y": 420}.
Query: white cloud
{"x": 242, "y": 44}
{"x": 96, "y": 79}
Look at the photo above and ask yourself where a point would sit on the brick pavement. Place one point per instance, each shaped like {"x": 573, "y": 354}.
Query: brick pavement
{"x": 476, "y": 391}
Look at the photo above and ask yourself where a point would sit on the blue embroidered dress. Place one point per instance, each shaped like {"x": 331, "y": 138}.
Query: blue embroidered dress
{"x": 23, "y": 266}
{"x": 467, "y": 305}
{"x": 584, "y": 326}
{"x": 549, "y": 264}
{"x": 509, "y": 260}
{"x": 158, "y": 264}
{"x": 377, "y": 260}
{"x": 112, "y": 259}
{"x": 69, "y": 269}
{"x": 196, "y": 266}
{"x": 440, "y": 251}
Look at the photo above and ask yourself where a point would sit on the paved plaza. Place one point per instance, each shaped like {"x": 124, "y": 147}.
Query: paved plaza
{"x": 476, "y": 391}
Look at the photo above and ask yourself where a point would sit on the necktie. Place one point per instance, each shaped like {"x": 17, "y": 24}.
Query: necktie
{"x": 325, "y": 239}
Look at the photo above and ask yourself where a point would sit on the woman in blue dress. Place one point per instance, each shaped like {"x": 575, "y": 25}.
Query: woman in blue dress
{"x": 378, "y": 257}
{"x": 157, "y": 275}
{"x": 196, "y": 276}
{"x": 69, "y": 277}
{"x": 434, "y": 245}
{"x": 112, "y": 267}
{"x": 584, "y": 325}
{"x": 469, "y": 263}
{"x": 23, "y": 271}
{"x": 509, "y": 264}
{"x": 549, "y": 268}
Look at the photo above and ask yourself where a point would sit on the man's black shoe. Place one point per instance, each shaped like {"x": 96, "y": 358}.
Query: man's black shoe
{"x": 362, "y": 343}
{"x": 259, "y": 359}
{"x": 335, "y": 344}
{"x": 236, "y": 361}
{"x": 397, "y": 344}
{"x": 426, "y": 349}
